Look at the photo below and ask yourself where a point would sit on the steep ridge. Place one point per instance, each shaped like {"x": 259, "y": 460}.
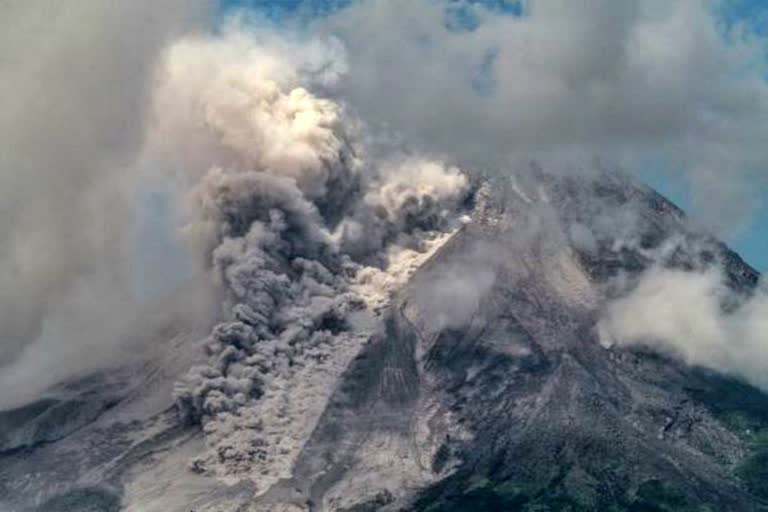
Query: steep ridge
{"x": 564, "y": 423}
{"x": 491, "y": 383}
{"x": 485, "y": 384}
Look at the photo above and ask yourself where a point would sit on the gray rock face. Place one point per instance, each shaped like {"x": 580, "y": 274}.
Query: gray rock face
{"x": 50, "y": 419}
{"x": 485, "y": 388}
{"x": 524, "y": 409}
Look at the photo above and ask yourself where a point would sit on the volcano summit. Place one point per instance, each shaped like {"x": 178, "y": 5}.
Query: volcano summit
{"x": 491, "y": 379}
{"x": 381, "y": 255}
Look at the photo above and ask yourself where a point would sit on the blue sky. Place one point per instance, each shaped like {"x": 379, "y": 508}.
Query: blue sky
{"x": 752, "y": 243}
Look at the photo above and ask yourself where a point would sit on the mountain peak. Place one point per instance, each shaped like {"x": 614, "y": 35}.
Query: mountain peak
{"x": 486, "y": 380}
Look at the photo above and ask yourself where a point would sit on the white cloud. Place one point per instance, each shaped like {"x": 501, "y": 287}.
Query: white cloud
{"x": 628, "y": 81}
{"x": 680, "y": 313}
{"x": 73, "y": 97}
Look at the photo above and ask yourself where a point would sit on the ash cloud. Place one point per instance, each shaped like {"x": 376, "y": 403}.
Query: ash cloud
{"x": 682, "y": 314}
{"x": 288, "y": 210}
{"x": 73, "y": 98}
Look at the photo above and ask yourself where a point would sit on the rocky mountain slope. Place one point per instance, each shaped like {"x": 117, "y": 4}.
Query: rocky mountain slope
{"x": 484, "y": 383}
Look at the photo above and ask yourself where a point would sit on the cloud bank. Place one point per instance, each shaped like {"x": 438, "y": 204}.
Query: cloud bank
{"x": 632, "y": 82}
{"x": 76, "y": 80}
{"x": 681, "y": 313}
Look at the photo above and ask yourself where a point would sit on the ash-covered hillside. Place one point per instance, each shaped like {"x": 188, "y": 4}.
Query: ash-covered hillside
{"x": 380, "y": 255}
{"x": 493, "y": 374}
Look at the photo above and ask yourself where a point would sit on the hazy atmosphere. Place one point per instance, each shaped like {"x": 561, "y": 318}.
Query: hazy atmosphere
{"x": 302, "y": 179}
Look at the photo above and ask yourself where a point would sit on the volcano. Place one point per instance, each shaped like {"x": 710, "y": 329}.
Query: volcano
{"x": 485, "y": 381}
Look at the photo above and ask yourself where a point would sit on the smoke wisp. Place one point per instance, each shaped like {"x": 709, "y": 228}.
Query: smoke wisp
{"x": 681, "y": 314}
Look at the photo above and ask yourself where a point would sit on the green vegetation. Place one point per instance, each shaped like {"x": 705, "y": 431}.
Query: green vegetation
{"x": 739, "y": 406}
{"x": 479, "y": 493}
{"x": 744, "y": 410}
{"x": 753, "y": 471}
{"x": 654, "y": 496}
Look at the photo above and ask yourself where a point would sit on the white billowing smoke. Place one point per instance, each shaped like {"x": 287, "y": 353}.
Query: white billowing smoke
{"x": 405, "y": 197}
{"x": 681, "y": 314}
{"x": 76, "y": 76}
{"x": 240, "y": 101}
{"x": 236, "y": 109}
{"x": 289, "y": 213}
{"x": 415, "y": 188}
